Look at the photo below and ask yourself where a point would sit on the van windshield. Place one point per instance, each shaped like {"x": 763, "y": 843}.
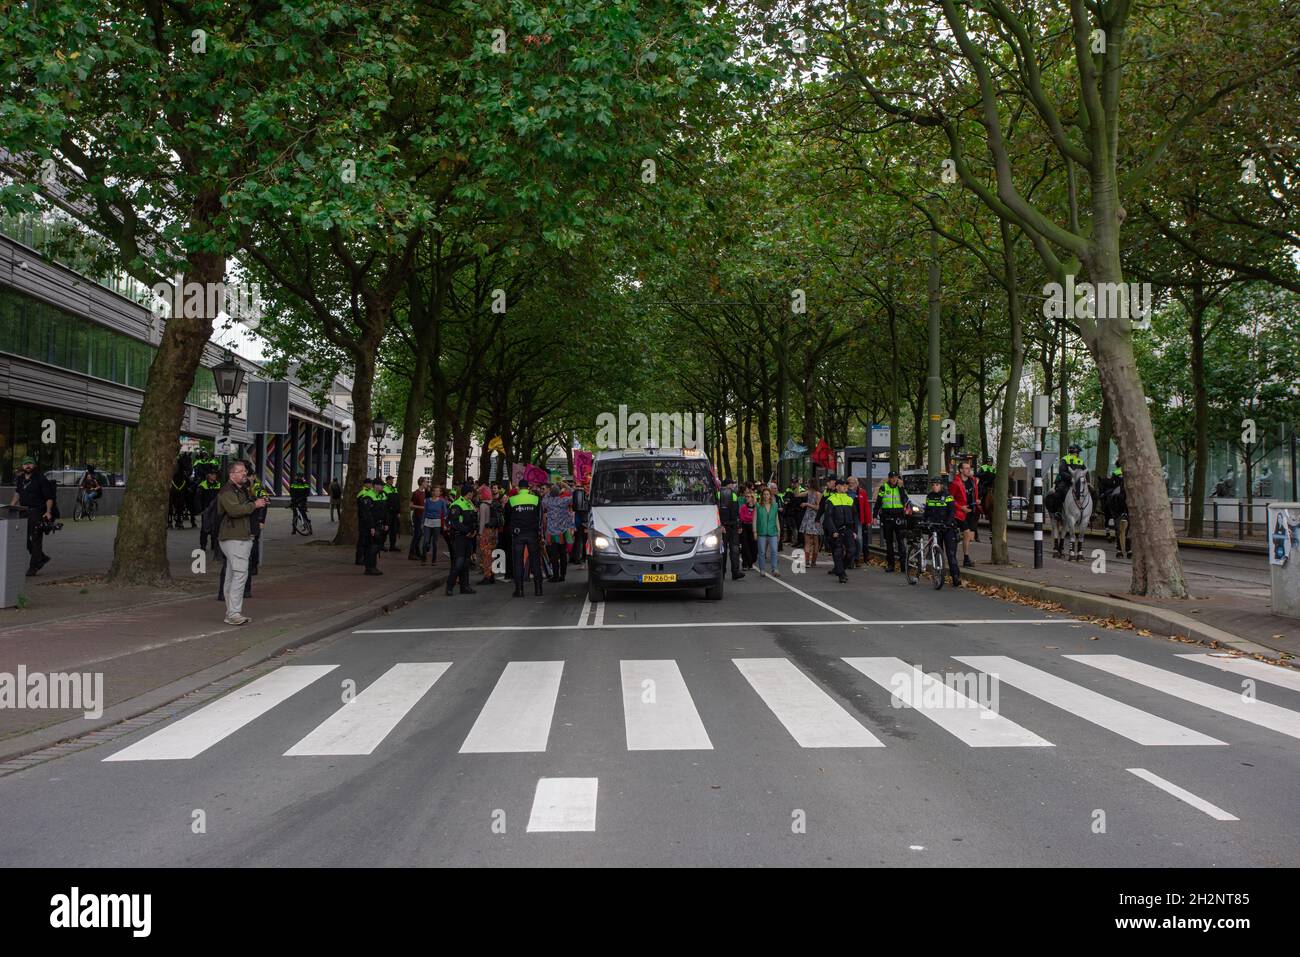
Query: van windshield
{"x": 653, "y": 482}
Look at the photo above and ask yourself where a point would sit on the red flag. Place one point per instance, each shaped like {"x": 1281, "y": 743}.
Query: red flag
{"x": 824, "y": 455}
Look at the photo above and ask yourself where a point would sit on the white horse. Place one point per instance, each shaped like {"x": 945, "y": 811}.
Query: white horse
{"x": 1071, "y": 519}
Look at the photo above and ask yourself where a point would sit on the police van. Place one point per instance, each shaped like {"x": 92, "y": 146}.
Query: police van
{"x": 654, "y": 523}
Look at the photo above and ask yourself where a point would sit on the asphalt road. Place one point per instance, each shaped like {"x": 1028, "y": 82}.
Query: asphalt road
{"x": 762, "y": 730}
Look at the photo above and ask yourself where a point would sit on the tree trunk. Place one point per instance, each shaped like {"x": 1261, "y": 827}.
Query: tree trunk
{"x": 1001, "y": 481}
{"x": 1104, "y": 430}
{"x": 377, "y": 313}
{"x": 439, "y": 448}
{"x": 411, "y": 432}
{"x": 140, "y": 548}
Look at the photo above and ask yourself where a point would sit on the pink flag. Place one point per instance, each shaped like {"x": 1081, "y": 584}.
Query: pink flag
{"x": 582, "y": 462}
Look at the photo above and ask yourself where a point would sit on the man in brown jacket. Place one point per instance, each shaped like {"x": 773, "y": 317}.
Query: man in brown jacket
{"x": 235, "y": 535}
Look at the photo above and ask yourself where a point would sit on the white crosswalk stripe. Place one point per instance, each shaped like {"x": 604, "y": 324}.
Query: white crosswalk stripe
{"x": 518, "y": 713}
{"x": 965, "y": 719}
{"x": 1250, "y": 668}
{"x": 1231, "y": 703}
{"x": 811, "y": 716}
{"x": 360, "y": 725}
{"x": 200, "y": 730}
{"x": 1123, "y": 719}
{"x": 658, "y": 711}
{"x": 564, "y": 804}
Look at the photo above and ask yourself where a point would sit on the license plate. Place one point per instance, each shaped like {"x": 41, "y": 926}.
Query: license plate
{"x": 658, "y": 578}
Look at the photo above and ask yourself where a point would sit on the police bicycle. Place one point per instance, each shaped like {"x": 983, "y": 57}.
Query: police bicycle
{"x": 301, "y": 520}
{"x": 924, "y": 551}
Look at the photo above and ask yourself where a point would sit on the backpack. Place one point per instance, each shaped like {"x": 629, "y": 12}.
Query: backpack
{"x": 496, "y": 515}
{"x": 211, "y": 518}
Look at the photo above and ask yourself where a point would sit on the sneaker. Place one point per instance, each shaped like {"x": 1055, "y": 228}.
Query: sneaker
{"x": 762, "y": 574}
{"x": 373, "y": 571}
{"x": 967, "y": 563}
{"x": 238, "y": 620}
{"x": 736, "y": 578}
{"x": 776, "y": 574}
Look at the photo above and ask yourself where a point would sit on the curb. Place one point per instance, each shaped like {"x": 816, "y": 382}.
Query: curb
{"x": 1159, "y": 621}
{"x": 141, "y": 704}
{"x": 1209, "y": 544}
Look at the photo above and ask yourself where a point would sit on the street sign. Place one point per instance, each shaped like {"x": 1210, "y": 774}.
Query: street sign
{"x": 225, "y": 445}
{"x": 1042, "y": 411}
{"x": 268, "y": 407}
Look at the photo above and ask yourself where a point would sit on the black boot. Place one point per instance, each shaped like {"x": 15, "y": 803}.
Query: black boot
{"x": 466, "y": 590}
{"x": 537, "y": 588}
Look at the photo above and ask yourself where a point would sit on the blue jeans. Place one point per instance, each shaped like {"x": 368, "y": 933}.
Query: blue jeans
{"x": 767, "y": 553}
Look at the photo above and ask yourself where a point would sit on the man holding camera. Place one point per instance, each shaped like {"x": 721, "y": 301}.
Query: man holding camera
{"x": 34, "y": 492}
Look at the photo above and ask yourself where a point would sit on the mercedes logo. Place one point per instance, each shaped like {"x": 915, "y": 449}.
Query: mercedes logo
{"x": 658, "y": 545}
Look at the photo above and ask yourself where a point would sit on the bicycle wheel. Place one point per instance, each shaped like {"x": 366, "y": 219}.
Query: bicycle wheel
{"x": 912, "y": 564}
{"x": 77, "y": 511}
{"x": 936, "y": 565}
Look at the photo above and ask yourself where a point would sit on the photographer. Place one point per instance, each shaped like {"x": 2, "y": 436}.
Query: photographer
{"x": 36, "y": 493}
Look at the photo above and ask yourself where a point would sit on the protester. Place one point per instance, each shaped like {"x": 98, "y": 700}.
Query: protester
{"x": 417, "y": 519}
{"x": 558, "y": 525}
{"x": 336, "y": 500}
{"x": 489, "y": 522}
{"x": 748, "y": 540}
{"x": 581, "y": 517}
{"x": 767, "y": 531}
{"x": 434, "y": 518}
{"x": 809, "y": 526}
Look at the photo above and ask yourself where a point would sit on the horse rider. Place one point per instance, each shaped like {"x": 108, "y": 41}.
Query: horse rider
{"x": 1073, "y": 459}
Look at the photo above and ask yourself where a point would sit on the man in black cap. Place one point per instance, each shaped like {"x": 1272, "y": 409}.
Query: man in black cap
{"x": 371, "y": 509}
{"x": 729, "y": 516}
{"x": 34, "y": 492}
{"x": 892, "y": 508}
{"x": 462, "y": 519}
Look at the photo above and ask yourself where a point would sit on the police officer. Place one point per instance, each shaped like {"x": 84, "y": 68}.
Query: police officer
{"x": 209, "y": 488}
{"x": 524, "y": 521}
{"x": 840, "y": 521}
{"x": 370, "y": 526}
{"x": 298, "y": 492}
{"x": 462, "y": 519}
{"x": 939, "y": 508}
{"x": 1072, "y": 459}
{"x": 729, "y": 515}
{"x": 392, "y": 512}
{"x": 890, "y": 505}
{"x": 36, "y": 493}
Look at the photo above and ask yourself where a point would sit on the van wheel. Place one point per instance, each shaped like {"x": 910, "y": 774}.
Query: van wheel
{"x": 594, "y": 591}
{"x": 714, "y": 592}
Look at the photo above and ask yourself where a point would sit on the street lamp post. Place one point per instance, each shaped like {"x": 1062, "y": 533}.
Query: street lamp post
{"x": 381, "y": 426}
{"x": 229, "y": 378}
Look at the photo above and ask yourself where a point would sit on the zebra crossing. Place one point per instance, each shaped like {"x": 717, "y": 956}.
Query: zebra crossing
{"x": 660, "y": 712}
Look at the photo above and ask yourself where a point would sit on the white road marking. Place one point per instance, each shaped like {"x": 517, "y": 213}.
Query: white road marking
{"x": 1123, "y": 719}
{"x": 585, "y": 614}
{"x": 1198, "y": 692}
{"x": 517, "y": 716}
{"x": 722, "y": 624}
{"x": 815, "y": 601}
{"x": 1251, "y": 668}
{"x": 360, "y": 725}
{"x": 564, "y": 804}
{"x": 658, "y": 711}
{"x": 201, "y": 729}
{"x": 598, "y": 620}
{"x": 1218, "y": 813}
{"x": 965, "y": 719}
{"x": 812, "y": 716}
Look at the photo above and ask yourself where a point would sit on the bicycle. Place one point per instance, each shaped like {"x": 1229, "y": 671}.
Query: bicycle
{"x": 300, "y": 515}
{"x": 85, "y": 509}
{"x": 925, "y": 554}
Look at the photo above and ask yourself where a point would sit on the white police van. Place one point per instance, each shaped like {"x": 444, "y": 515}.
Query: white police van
{"x": 653, "y": 523}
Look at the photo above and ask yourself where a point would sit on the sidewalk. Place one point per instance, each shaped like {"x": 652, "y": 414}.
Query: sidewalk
{"x": 1230, "y": 600}
{"x": 154, "y": 644}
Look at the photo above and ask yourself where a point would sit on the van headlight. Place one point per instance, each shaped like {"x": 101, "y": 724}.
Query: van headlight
{"x": 603, "y": 543}
{"x": 713, "y": 539}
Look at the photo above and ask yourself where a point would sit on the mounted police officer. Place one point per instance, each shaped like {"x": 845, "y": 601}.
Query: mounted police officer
{"x": 462, "y": 520}
{"x": 525, "y": 523}
{"x": 729, "y": 516}
{"x": 1073, "y": 459}
{"x": 891, "y": 506}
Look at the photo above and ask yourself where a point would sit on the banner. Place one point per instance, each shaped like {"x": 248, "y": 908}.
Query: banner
{"x": 496, "y": 445}
{"x": 516, "y": 473}
{"x": 824, "y": 456}
{"x": 582, "y": 462}
{"x": 793, "y": 450}
{"x": 536, "y": 476}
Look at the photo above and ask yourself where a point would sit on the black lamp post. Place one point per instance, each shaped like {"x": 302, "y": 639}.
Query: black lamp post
{"x": 229, "y": 378}
{"x": 381, "y": 426}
